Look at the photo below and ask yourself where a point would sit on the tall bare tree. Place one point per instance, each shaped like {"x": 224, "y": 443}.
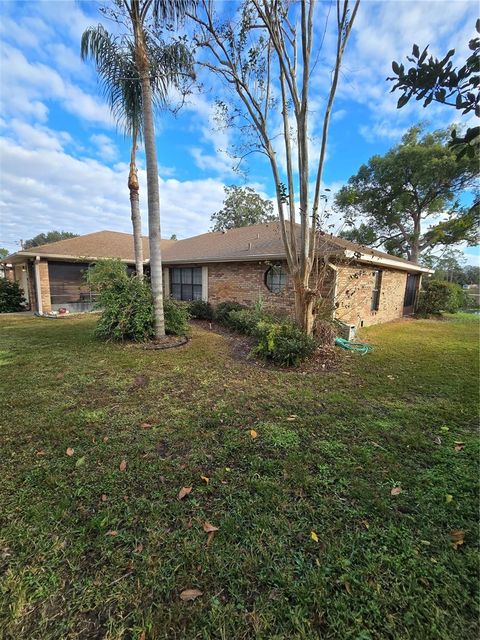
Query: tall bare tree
{"x": 265, "y": 53}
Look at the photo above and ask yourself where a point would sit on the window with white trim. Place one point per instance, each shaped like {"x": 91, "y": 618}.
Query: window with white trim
{"x": 186, "y": 283}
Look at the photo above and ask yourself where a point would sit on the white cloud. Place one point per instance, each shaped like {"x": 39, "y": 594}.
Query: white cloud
{"x": 24, "y": 83}
{"x": 46, "y": 188}
{"x": 106, "y": 148}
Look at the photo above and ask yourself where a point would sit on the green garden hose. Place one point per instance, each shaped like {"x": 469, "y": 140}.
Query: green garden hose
{"x": 358, "y": 347}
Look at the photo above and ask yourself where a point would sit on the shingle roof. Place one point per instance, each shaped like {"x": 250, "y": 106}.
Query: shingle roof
{"x": 256, "y": 241}
{"x": 101, "y": 244}
{"x": 261, "y": 241}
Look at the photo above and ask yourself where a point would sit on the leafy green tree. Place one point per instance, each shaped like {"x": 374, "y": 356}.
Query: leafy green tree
{"x": 242, "y": 206}
{"x": 141, "y": 18}
{"x": 114, "y": 59}
{"x": 3, "y": 253}
{"x": 431, "y": 79}
{"x": 416, "y": 182}
{"x": 472, "y": 274}
{"x": 46, "y": 238}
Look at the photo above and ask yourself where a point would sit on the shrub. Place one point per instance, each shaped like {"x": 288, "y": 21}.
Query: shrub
{"x": 104, "y": 273}
{"x": 176, "y": 317}
{"x": 223, "y": 309}
{"x": 246, "y": 320}
{"x": 437, "y": 296}
{"x": 201, "y": 310}
{"x": 11, "y": 297}
{"x": 127, "y": 311}
{"x": 283, "y": 343}
{"x": 128, "y": 314}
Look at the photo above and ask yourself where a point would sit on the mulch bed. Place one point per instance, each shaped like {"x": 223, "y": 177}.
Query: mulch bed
{"x": 168, "y": 342}
{"x": 325, "y": 358}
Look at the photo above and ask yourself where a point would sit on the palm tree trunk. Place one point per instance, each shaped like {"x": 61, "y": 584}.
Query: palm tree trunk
{"x": 135, "y": 208}
{"x": 152, "y": 187}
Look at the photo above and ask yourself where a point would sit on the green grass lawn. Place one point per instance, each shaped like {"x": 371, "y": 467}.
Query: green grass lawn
{"x": 89, "y": 551}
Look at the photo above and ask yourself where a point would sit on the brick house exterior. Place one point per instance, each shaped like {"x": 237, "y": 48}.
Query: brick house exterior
{"x": 357, "y": 285}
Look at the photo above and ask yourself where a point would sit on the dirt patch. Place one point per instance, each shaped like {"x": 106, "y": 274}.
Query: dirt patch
{"x": 325, "y": 358}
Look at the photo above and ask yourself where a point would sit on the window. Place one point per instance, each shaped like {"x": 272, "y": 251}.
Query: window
{"x": 276, "y": 279}
{"x": 377, "y": 285}
{"x": 186, "y": 283}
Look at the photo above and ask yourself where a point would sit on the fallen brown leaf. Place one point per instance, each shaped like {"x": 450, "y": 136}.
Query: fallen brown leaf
{"x": 112, "y": 533}
{"x": 190, "y": 594}
{"x": 210, "y": 537}
{"x": 253, "y": 434}
{"x": 41, "y": 452}
{"x": 105, "y": 438}
{"x": 459, "y": 445}
{"x": 205, "y": 479}
{"x": 208, "y": 528}
{"x": 104, "y": 497}
{"x": 139, "y": 548}
{"x": 348, "y": 588}
{"x": 437, "y": 440}
{"x": 184, "y": 491}
{"x": 123, "y": 465}
{"x": 395, "y": 491}
{"x": 458, "y": 537}
{"x": 70, "y": 451}
{"x": 145, "y": 425}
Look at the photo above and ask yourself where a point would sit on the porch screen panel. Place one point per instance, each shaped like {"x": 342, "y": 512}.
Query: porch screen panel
{"x": 67, "y": 284}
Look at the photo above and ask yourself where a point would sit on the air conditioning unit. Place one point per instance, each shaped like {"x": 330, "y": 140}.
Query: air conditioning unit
{"x": 346, "y": 331}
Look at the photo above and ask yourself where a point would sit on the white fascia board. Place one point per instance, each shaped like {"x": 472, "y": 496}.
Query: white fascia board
{"x": 386, "y": 262}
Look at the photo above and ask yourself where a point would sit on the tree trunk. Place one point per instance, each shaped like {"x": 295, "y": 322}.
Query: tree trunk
{"x": 152, "y": 188}
{"x": 135, "y": 208}
{"x": 304, "y": 306}
{"x": 415, "y": 242}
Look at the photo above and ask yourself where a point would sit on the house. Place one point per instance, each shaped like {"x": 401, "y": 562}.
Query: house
{"x": 359, "y": 285}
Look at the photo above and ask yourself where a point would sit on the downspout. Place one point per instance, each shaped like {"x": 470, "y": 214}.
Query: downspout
{"x": 38, "y": 285}
{"x": 334, "y": 268}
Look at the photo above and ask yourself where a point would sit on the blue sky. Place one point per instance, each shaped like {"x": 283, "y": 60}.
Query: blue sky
{"x": 64, "y": 165}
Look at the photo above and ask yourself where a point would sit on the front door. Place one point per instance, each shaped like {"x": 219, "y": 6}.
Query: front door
{"x": 410, "y": 294}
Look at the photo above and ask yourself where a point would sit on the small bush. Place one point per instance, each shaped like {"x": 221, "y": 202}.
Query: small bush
{"x": 128, "y": 314}
{"x": 176, "y": 317}
{"x": 127, "y": 311}
{"x": 11, "y": 297}
{"x": 201, "y": 310}
{"x": 283, "y": 343}
{"x": 246, "y": 320}
{"x": 223, "y": 309}
{"x": 437, "y": 296}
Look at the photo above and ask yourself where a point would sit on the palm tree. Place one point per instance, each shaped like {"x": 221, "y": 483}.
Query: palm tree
{"x": 114, "y": 58}
{"x": 140, "y": 13}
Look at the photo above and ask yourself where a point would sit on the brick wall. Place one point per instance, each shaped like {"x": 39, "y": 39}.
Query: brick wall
{"x": 244, "y": 282}
{"x": 354, "y": 295}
